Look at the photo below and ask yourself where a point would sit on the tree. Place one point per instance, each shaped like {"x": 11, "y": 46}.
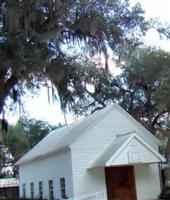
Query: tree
{"x": 19, "y": 139}
{"x": 6, "y": 161}
{"x": 34, "y": 33}
{"x": 142, "y": 89}
{"x": 25, "y": 134}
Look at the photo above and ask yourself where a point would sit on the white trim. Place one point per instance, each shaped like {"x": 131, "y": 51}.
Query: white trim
{"x": 157, "y": 154}
{"x": 109, "y": 162}
{"x": 134, "y": 135}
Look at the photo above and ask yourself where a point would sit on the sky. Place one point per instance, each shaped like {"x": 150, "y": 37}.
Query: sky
{"x": 39, "y": 107}
{"x": 156, "y": 9}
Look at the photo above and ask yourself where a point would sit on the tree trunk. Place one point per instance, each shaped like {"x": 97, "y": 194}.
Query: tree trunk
{"x": 5, "y": 88}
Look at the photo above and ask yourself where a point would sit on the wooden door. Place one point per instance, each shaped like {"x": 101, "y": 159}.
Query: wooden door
{"x": 120, "y": 182}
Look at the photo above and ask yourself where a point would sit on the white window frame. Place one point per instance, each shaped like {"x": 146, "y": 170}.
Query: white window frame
{"x": 24, "y": 190}
{"x": 63, "y": 188}
{"x": 32, "y": 190}
{"x": 51, "y": 189}
{"x": 40, "y": 187}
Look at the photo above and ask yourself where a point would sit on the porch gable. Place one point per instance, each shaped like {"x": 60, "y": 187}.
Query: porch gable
{"x": 128, "y": 149}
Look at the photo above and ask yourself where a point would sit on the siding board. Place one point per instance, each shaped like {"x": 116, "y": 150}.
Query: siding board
{"x": 147, "y": 181}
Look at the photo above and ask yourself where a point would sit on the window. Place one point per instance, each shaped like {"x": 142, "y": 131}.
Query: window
{"x": 40, "y": 185}
{"x": 63, "y": 188}
{"x": 24, "y": 191}
{"x": 32, "y": 190}
{"x": 51, "y": 195}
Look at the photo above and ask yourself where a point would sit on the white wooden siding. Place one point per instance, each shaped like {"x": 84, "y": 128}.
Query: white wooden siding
{"x": 49, "y": 168}
{"x": 88, "y": 146}
{"x": 147, "y": 181}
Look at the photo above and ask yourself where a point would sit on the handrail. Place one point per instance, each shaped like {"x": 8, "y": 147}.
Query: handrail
{"x": 94, "y": 196}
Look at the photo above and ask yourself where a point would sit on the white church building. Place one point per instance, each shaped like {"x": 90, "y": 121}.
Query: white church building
{"x": 105, "y": 156}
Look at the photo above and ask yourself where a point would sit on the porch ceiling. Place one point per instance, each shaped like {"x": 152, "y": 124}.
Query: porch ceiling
{"x": 127, "y": 149}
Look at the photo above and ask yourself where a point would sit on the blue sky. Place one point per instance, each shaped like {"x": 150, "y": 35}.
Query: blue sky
{"x": 39, "y": 108}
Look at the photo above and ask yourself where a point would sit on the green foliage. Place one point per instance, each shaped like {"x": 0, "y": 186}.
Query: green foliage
{"x": 25, "y": 134}
{"x": 163, "y": 95}
{"x": 35, "y": 130}
{"x": 35, "y": 35}
{"x": 19, "y": 139}
{"x": 148, "y": 73}
{"x": 149, "y": 64}
{"x": 18, "y": 142}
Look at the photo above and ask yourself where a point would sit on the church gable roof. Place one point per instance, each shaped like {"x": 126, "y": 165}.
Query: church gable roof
{"x": 63, "y": 137}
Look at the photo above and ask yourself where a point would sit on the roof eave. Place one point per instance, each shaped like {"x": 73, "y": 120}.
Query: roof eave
{"x": 21, "y": 161}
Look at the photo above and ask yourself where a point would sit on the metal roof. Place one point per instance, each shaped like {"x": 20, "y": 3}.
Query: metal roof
{"x": 63, "y": 137}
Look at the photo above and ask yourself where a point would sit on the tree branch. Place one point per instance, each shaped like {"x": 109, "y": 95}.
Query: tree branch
{"x": 95, "y": 98}
{"x": 5, "y": 89}
{"x": 157, "y": 117}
